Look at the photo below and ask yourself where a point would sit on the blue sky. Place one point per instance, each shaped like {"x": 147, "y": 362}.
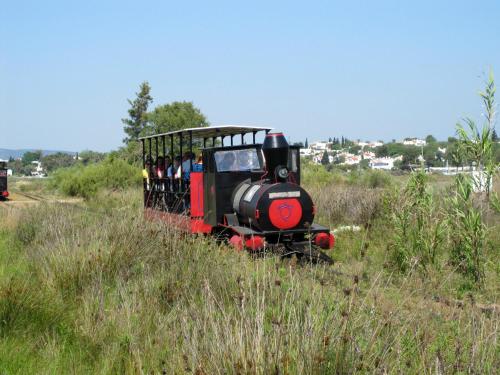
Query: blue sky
{"x": 362, "y": 69}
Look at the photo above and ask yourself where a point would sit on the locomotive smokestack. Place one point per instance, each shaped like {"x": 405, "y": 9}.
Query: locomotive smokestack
{"x": 275, "y": 149}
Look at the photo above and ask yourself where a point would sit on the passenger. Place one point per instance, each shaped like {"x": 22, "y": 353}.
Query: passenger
{"x": 168, "y": 164}
{"x": 228, "y": 162}
{"x": 160, "y": 174}
{"x": 160, "y": 167}
{"x": 174, "y": 172}
{"x": 244, "y": 161}
{"x": 187, "y": 161}
{"x": 177, "y": 167}
{"x": 198, "y": 167}
{"x": 146, "y": 172}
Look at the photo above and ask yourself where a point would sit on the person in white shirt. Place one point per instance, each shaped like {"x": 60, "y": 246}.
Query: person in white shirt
{"x": 174, "y": 172}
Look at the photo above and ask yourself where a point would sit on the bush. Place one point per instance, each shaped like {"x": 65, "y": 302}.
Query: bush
{"x": 86, "y": 181}
{"x": 418, "y": 228}
{"x": 370, "y": 179}
{"x": 346, "y": 204}
{"x": 313, "y": 174}
{"x": 376, "y": 179}
{"x": 468, "y": 237}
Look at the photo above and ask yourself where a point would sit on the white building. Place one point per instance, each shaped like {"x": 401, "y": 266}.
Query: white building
{"x": 321, "y": 146}
{"x": 368, "y": 155}
{"x": 353, "y": 160}
{"x": 480, "y": 182}
{"x": 38, "y": 171}
{"x": 414, "y": 142}
{"x": 305, "y": 152}
{"x": 376, "y": 144}
{"x": 382, "y": 163}
{"x": 371, "y": 144}
{"x": 350, "y": 159}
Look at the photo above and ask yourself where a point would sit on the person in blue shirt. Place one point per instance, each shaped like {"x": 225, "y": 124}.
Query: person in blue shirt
{"x": 187, "y": 161}
{"x": 198, "y": 167}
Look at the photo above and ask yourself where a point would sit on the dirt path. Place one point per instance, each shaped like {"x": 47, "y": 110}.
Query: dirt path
{"x": 20, "y": 199}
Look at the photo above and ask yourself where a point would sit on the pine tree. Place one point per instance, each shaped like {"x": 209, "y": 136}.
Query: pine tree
{"x": 325, "y": 160}
{"x": 494, "y": 136}
{"x": 137, "y": 113}
{"x": 306, "y": 145}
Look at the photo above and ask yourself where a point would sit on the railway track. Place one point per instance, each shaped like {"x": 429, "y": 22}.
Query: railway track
{"x": 19, "y": 199}
{"x": 32, "y": 197}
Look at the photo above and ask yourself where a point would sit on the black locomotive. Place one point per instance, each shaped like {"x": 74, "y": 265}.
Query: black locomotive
{"x": 248, "y": 193}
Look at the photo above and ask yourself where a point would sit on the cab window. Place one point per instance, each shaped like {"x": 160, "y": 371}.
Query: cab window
{"x": 237, "y": 160}
{"x": 293, "y": 155}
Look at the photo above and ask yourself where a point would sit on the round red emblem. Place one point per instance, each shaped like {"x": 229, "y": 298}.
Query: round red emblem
{"x": 285, "y": 213}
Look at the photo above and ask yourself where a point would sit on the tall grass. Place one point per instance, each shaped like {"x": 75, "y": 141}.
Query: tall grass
{"x": 93, "y": 291}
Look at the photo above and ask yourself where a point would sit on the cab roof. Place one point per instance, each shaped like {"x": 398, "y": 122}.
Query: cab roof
{"x": 213, "y": 131}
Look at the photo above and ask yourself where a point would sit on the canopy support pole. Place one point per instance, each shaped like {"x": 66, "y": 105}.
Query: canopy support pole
{"x": 181, "y": 183}
{"x": 190, "y": 151}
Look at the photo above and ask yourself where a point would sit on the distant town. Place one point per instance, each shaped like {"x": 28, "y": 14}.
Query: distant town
{"x": 408, "y": 153}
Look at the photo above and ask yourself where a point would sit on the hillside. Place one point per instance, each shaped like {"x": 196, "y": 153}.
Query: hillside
{"x": 6, "y": 154}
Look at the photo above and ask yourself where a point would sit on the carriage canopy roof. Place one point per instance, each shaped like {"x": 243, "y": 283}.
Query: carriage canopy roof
{"x": 213, "y": 131}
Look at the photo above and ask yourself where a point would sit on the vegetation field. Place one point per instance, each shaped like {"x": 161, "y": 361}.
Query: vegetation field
{"x": 92, "y": 287}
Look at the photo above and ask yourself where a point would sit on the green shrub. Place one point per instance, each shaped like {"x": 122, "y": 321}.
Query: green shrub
{"x": 468, "y": 236}
{"x": 86, "y": 181}
{"x": 313, "y": 174}
{"x": 418, "y": 228}
{"x": 370, "y": 178}
{"x": 376, "y": 179}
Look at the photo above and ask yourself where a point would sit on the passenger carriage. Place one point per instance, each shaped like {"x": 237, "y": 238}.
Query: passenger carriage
{"x": 4, "y": 191}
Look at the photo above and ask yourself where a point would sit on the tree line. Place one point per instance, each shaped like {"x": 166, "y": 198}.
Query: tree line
{"x": 50, "y": 163}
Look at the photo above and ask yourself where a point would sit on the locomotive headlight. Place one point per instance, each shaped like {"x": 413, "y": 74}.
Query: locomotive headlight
{"x": 283, "y": 173}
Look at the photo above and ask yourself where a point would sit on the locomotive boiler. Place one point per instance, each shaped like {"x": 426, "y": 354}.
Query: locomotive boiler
{"x": 273, "y": 203}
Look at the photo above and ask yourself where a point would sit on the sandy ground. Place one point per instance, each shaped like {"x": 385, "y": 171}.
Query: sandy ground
{"x": 21, "y": 199}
